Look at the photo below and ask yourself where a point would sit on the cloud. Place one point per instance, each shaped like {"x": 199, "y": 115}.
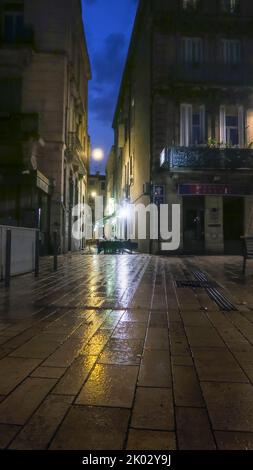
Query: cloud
{"x": 107, "y": 70}
{"x": 107, "y": 64}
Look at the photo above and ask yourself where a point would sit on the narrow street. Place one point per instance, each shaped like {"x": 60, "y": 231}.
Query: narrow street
{"x": 108, "y": 353}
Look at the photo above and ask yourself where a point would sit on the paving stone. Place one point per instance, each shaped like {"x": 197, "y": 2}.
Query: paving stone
{"x": 21, "y": 403}
{"x": 36, "y": 348}
{"x": 153, "y": 409}
{"x": 195, "y": 318}
{"x": 187, "y": 391}
{"x": 109, "y": 385}
{"x": 212, "y": 365}
{"x": 126, "y": 330}
{"x": 37, "y": 433}
{"x": 136, "y": 316}
{"x": 234, "y": 440}
{"x": 94, "y": 428}
{"x": 125, "y": 352}
{"x": 76, "y": 375}
{"x": 13, "y": 371}
{"x": 7, "y": 433}
{"x": 174, "y": 316}
{"x": 20, "y": 339}
{"x": 112, "y": 321}
{"x": 3, "y": 340}
{"x": 66, "y": 354}
{"x": 204, "y": 337}
{"x": 96, "y": 344}
{"x": 230, "y": 406}
{"x": 178, "y": 340}
{"x": 158, "y": 320}
{"x": 155, "y": 370}
{"x": 182, "y": 361}
{"x": 49, "y": 372}
{"x": 187, "y": 299}
{"x": 151, "y": 440}
{"x": 227, "y": 330}
{"x": 157, "y": 339}
{"x": 193, "y": 429}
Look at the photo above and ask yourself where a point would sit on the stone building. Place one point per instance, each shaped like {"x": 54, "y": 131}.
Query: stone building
{"x": 184, "y": 119}
{"x": 97, "y": 189}
{"x": 44, "y": 142}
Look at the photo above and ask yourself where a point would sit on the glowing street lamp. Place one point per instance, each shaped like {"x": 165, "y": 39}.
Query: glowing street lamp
{"x": 98, "y": 154}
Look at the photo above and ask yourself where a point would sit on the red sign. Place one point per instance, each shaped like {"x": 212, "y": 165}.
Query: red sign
{"x": 212, "y": 190}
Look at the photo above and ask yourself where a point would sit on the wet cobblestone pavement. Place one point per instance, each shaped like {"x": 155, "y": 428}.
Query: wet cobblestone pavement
{"x": 108, "y": 353}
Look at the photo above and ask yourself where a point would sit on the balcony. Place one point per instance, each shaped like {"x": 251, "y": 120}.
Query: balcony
{"x": 207, "y": 73}
{"x": 74, "y": 147}
{"x": 177, "y": 159}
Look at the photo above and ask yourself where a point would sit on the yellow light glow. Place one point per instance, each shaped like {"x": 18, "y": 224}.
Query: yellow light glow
{"x": 98, "y": 154}
{"x": 93, "y": 194}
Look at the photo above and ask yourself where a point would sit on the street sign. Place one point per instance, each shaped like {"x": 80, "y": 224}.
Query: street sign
{"x": 158, "y": 194}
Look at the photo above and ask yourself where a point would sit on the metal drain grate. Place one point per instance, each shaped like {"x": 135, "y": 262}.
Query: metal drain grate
{"x": 220, "y": 299}
{"x": 195, "y": 284}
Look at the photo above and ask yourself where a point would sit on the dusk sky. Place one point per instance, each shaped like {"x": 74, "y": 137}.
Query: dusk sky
{"x": 108, "y": 25}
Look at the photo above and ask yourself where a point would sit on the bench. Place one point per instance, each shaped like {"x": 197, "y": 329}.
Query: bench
{"x": 247, "y": 251}
{"x": 117, "y": 246}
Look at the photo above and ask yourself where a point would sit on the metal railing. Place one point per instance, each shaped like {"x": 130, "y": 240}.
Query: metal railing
{"x": 74, "y": 146}
{"x": 206, "y": 158}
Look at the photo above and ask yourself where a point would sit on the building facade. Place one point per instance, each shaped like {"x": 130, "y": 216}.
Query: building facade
{"x": 97, "y": 189}
{"x": 44, "y": 141}
{"x": 184, "y": 119}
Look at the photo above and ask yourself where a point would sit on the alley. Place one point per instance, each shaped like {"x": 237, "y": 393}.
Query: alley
{"x": 111, "y": 352}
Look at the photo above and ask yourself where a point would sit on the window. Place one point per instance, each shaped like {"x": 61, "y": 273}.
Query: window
{"x": 231, "y": 51}
{"x": 102, "y": 186}
{"x": 232, "y": 126}
{"x": 192, "y": 50}
{"x": 190, "y": 4}
{"x": 192, "y": 125}
{"x": 13, "y": 22}
{"x": 230, "y": 6}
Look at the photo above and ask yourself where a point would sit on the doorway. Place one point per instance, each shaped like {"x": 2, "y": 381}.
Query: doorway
{"x": 194, "y": 224}
{"x": 233, "y": 224}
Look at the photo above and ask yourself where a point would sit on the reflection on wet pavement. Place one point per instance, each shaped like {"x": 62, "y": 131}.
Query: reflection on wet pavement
{"x": 108, "y": 353}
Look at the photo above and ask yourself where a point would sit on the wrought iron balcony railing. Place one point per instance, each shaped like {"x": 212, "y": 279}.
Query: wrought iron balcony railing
{"x": 74, "y": 144}
{"x": 206, "y": 158}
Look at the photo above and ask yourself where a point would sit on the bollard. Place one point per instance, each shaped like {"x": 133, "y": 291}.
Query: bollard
{"x": 55, "y": 251}
{"x": 37, "y": 254}
{"x": 8, "y": 259}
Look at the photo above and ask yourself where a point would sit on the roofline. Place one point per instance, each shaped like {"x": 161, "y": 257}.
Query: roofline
{"x": 138, "y": 16}
{"x": 85, "y": 42}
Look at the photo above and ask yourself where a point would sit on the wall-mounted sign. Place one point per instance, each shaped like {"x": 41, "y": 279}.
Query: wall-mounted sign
{"x": 158, "y": 194}
{"x": 212, "y": 190}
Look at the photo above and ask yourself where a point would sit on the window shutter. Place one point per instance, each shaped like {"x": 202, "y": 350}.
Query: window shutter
{"x": 186, "y": 125}
{"x": 241, "y": 127}
{"x": 202, "y": 113}
{"x": 223, "y": 137}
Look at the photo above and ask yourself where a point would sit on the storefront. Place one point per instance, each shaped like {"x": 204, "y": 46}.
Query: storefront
{"x": 215, "y": 217}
